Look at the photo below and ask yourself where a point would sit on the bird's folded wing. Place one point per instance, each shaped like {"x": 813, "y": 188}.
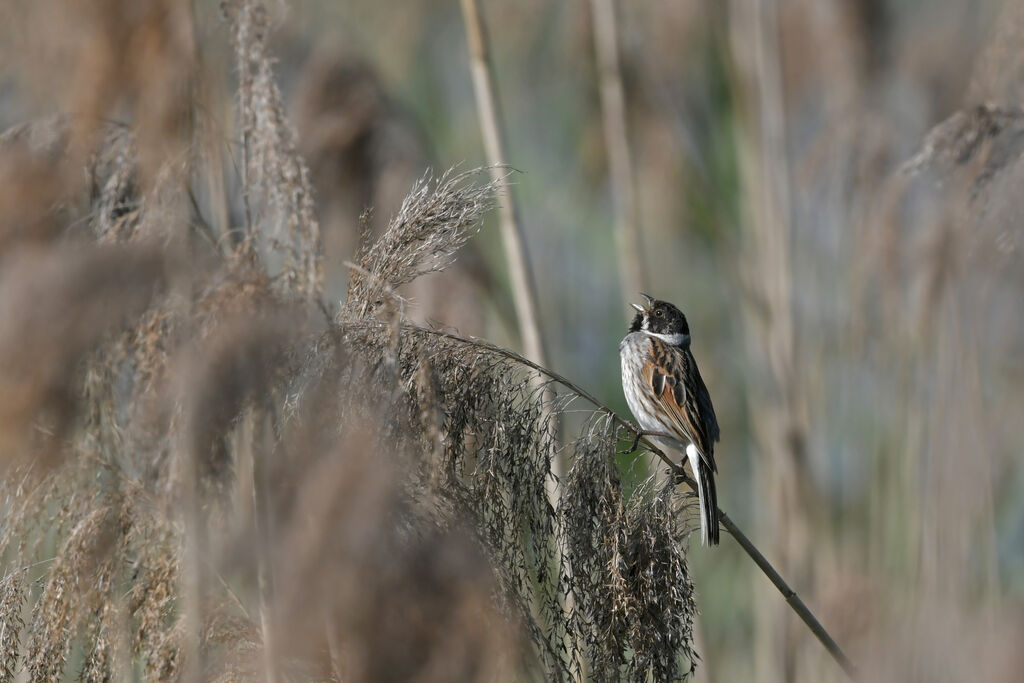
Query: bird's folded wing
{"x": 668, "y": 373}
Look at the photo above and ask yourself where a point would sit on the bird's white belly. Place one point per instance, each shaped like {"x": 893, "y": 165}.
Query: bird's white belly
{"x": 632, "y": 352}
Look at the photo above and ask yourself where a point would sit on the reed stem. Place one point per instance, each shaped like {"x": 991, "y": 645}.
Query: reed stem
{"x": 791, "y": 597}
{"x": 523, "y": 289}
{"x": 620, "y": 165}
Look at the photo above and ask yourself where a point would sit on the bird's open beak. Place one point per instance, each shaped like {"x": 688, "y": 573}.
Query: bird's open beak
{"x": 641, "y": 309}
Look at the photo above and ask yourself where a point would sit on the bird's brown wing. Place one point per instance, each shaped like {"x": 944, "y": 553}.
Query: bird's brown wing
{"x": 673, "y": 378}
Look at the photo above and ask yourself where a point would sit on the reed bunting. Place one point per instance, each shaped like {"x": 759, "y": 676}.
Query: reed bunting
{"x": 668, "y": 398}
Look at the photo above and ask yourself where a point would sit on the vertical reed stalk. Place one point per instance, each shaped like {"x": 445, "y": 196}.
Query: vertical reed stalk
{"x": 193, "y": 574}
{"x": 523, "y": 288}
{"x": 628, "y": 237}
{"x": 776, "y": 405}
{"x": 261, "y": 446}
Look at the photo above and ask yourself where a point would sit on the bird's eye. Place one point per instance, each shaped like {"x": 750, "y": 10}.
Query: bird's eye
{"x": 659, "y": 314}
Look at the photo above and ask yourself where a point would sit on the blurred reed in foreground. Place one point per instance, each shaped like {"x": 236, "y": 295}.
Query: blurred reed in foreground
{"x": 213, "y": 469}
{"x": 244, "y": 481}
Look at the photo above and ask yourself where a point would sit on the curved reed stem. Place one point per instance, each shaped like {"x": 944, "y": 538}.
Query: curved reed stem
{"x": 790, "y": 595}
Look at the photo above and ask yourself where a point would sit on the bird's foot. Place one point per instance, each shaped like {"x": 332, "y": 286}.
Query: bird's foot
{"x": 636, "y": 441}
{"x": 641, "y": 433}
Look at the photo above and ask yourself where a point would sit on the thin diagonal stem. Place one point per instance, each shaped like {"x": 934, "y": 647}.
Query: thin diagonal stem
{"x": 790, "y": 595}
{"x": 792, "y": 599}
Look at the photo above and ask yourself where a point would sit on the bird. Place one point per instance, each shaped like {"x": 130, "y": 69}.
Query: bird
{"x": 667, "y": 396}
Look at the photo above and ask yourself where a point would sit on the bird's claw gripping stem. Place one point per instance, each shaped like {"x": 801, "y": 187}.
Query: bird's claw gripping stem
{"x": 640, "y": 433}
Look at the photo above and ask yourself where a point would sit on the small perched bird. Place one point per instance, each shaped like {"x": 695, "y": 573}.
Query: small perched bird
{"x": 668, "y": 398}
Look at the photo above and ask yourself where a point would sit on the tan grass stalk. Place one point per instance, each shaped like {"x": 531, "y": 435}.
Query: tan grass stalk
{"x": 193, "y": 577}
{"x": 523, "y": 289}
{"x": 628, "y": 237}
{"x": 264, "y": 538}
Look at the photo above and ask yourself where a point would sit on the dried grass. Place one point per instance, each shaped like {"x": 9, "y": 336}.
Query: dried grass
{"x": 59, "y": 305}
{"x": 238, "y": 489}
{"x": 435, "y": 220}
{"x": 277, "y": 185}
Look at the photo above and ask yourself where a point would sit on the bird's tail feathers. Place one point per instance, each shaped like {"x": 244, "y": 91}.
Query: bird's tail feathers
{"x": 707, "y": 495}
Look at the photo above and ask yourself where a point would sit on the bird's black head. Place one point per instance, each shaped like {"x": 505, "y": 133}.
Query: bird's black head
{"x": 659, "y": 317}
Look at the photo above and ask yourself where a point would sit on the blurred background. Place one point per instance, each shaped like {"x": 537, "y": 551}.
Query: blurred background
{"x": 829, "y": 189}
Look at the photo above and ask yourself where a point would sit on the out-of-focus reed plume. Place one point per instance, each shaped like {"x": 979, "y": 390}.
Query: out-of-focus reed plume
{"x": 365, "y": 152}
{"x": 250, "y": 487}
{"x": 776, "y": 400}
{"x": 228, "y": 453}
{"x": 58, "y": 306}
{"x": 899, "y": 265}
{"x": 277, "y": 191}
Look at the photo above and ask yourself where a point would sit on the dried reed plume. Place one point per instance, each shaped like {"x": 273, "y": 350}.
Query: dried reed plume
{"x": 434, "y": 221}
{"x": 246, "y": 490}
{"x": 276, "y": 181}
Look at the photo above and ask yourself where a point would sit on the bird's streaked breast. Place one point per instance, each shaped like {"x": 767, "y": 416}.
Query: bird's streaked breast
{"x": 633, "y": 352}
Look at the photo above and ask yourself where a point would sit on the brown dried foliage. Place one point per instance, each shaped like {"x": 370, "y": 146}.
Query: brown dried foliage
{"x": 365, "y": 151}
{"x": 239, "y": 488}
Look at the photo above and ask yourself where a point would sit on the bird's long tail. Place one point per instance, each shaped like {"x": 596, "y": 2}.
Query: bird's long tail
{"x": 707, "y": 495}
